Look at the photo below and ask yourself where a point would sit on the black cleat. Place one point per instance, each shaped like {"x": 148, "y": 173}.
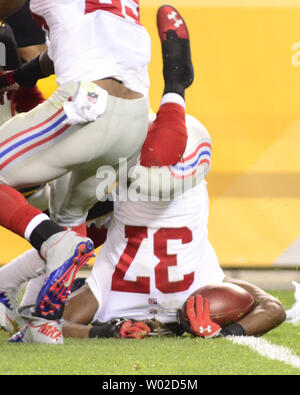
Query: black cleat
{"x": 177, "y": 59}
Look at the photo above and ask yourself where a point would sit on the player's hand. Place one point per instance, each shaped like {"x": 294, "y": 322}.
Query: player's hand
{"x": 8, "y": 82}
{"x": 120, "y": 328}
{"x": 199, "y": 318}
{"x": 134, "y": 330}
{"x": 8, "y": 85}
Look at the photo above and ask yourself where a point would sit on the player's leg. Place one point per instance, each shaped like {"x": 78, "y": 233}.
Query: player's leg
{"x": 32, "y": 290}
{"x": 22, "y": 269}
{"x": 79, "y": 312}
{"x": 46, "y": 237}
{"x": 268, "y": 312}
{"x": 167, "y": 137}
{"x": 72, "y": 196}
{"x": 18, "y": 137}
{"x": 70, "y": 209}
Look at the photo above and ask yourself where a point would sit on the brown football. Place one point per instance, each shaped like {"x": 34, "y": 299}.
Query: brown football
{"x": 228, "y": 302}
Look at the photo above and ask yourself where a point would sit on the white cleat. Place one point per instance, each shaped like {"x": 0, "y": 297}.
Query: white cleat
{"x": 293, "y": 315}
{"x": 37, "y": 330}
{"x": 10, "y": 321}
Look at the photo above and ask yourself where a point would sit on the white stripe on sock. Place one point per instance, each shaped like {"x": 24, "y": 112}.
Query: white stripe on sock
{"x": 173, "y": 98}
{"x": 34, "y": 223}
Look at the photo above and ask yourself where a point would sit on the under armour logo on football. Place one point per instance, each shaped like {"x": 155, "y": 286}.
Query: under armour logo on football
{"x": 203, "y": 330}
{"x": 177, "y": 22}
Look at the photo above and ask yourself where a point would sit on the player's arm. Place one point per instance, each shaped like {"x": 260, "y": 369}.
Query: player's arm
{"x": 28, "y": 74}
{"x": 9, "y": 7}
{"x": 171, "y": 181}
{"x": 46, "y": 64}
{"x": 79, "y": 312}
{"x": 29, "y": 36}
{"x": 268, "y": 312}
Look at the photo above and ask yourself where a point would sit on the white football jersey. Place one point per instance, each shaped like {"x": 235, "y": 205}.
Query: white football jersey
{"x": 90, "y": 40}
{"x": 157, "y": 252}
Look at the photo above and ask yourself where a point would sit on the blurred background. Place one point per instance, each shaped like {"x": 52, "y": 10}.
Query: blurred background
{"x": 246, "y": 55}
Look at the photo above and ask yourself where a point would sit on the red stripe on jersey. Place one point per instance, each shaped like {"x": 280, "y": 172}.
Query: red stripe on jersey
{"x": 196, "y": 151}
{"x": 182, "y": 177}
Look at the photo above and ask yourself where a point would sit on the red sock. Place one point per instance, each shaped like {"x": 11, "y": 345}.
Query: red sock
{"x": 15, "y": 212}
{"x": 167, "y": 137}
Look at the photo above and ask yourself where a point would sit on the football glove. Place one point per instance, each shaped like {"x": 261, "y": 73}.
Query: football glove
{"x": 8, "y": 82}
{"x": 8, "y": 86}
{"x": 197, "y": 320}
{"x": 120, "y": 328}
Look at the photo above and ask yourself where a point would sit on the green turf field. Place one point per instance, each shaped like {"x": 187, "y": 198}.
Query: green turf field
{"x": 161, "y": 356}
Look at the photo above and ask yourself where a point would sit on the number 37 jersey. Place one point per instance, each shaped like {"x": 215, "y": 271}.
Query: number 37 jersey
{"x": 157, "y": 253}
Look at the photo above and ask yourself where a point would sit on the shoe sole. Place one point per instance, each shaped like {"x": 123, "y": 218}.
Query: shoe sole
{"x": 164, "y": 23}
{"x": 54, "y": 293}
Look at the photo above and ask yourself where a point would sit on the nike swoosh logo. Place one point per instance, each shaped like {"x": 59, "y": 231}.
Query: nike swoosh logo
{"x": 68, "y": 283}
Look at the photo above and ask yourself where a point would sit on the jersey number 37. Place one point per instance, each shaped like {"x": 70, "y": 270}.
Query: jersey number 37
{"x": 135, "y": 236}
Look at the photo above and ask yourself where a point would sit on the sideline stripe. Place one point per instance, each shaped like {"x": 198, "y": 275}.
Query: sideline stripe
{"x": 267, "y": 349}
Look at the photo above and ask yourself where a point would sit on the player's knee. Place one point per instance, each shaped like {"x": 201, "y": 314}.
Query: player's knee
{"x": 278, "y": 312}
{"x": 274, "y": 310}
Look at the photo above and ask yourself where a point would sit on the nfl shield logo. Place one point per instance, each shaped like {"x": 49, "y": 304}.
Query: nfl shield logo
{"x": 93, "y": 97}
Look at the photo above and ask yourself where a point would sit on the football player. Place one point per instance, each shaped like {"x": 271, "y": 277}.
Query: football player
{"x": 178, "y": 76}
{"x": 98, "y": 114}
{"x": 23, "y": 99}
{"x": 157, "y": 253}
{"x": 30, "y": 38}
